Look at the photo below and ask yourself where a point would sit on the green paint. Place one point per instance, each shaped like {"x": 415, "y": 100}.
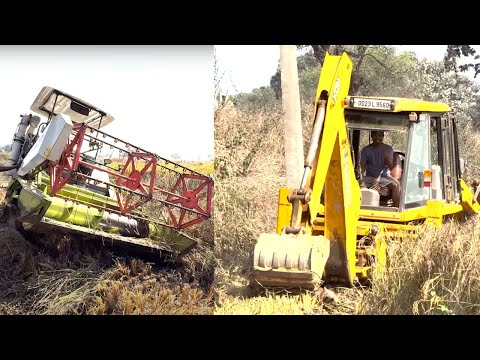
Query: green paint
{"x": 70, "y": 212}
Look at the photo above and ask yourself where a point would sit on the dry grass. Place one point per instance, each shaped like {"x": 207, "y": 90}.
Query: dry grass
{"x": 271, "y": 304}
{"x": 248, "y": 172}
{"x": 435, "y": 274}
{"x": 35, "y": 282}
{"x": 135, "y": 289}
{"x": 283, "y": 303}
{"x": 4, "y": 157}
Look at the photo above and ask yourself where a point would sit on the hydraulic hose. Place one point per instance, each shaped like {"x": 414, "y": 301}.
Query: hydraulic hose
{"x": 314, "y": 141}
{"x": 7, "y": 167}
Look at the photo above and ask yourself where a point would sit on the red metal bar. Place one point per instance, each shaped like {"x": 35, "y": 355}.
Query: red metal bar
{"x": 192, "y": 222}
{"x": 134, "y": 181}
{"x": 92, "y": 166}
{"x": 58, "y": 176}
{"x": 194, "y": 204}
{"x": 190, "y": 199}
{"x": 114, "y": 186}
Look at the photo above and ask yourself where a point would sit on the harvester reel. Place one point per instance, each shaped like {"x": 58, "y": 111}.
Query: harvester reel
{"x": 136, "y": 181}
{"x": 190, "y": 198}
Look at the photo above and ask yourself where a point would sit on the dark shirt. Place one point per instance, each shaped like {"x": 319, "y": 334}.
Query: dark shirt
{"x": 374, "y": 159}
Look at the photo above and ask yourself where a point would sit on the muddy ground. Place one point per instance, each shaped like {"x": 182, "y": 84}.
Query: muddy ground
{"x": 97, "y": 280}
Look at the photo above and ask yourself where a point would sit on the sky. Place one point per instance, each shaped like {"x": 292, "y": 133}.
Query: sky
{"x": 160, "y": 96}
{"x": 246, "y": 67}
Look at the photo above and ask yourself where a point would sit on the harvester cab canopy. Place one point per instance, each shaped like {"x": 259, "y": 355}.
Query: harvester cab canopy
{"x": 50, "y": 102}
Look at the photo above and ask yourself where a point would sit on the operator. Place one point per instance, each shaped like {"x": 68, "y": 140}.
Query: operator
{"x": 376, "y": 161}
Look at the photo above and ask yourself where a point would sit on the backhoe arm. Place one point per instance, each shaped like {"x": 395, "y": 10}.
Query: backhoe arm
{"x": 328, "y": 168}
{"x": 333, "y": 173}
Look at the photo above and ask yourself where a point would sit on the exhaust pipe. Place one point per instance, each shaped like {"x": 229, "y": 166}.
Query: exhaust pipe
{"x": 27, "y": 122}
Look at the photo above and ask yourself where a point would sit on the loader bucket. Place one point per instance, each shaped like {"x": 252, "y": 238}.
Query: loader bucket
{"x": 290, "y": 261}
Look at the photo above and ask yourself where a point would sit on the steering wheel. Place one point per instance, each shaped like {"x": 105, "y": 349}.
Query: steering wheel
{"x": 402, "y": 156}
{"x": 401, "y": 153}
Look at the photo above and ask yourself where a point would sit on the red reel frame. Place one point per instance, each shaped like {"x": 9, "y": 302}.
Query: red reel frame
{"x": 192, "y": 193}
{"x": 189, "y": 199}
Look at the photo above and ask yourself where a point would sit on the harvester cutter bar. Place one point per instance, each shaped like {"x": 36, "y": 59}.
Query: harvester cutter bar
{"x": 144, "y": 245}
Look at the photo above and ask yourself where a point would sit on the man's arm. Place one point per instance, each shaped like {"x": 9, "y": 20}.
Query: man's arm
{"x": 388, "y": 156}
{"x": 363, "y": 162}
{"x": 363, "y": 167}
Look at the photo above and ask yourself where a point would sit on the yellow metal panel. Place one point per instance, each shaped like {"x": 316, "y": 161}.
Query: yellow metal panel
{"x": 362, "y": 271}
{"x": 329, "y": 134}
{"x": 435, "y": 212}
{"x": 468, "y": 203}
{"x": 335, "y": 79}
{"x": 405, "y": 104}
{"x": 414, "y": 214}
{"x": 407, "y": 215}
{"x": 451, "y": 208}
{"x": 284, "y": 212}
{"x": 380, "y": 215}
{"x": 352, "y": 198}
{"x": 422, "y": 212}
{"x": 334, "y": 171}
{"x": 388, "y": 226}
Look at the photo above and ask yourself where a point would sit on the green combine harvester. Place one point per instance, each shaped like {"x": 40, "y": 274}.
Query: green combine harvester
{"x": 67, "y": 177}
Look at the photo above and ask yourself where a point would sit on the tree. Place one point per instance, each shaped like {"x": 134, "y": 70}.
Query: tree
{"x": 356, "y": 53}
{"x": 305, "y": 64}
{"x": 455, "y": 53}
{"x": 217, "y": 79}
{"x": 175, "y": 157}
{"x": 262, "y": 98}
{"x": 378, "y": 70}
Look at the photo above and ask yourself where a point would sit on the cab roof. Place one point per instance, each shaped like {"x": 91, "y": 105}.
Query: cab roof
{"x": 50, "y": 102}
{"x": 394, "y": 104}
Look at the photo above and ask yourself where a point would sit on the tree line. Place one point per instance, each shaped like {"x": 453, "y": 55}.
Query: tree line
{"x": 379, "y": 70}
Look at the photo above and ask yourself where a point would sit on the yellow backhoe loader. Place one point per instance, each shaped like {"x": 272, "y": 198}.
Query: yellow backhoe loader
{"x": 332, "y": 229}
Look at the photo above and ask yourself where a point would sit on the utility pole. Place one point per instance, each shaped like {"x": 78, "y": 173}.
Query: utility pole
{"x": 292, "y": 115}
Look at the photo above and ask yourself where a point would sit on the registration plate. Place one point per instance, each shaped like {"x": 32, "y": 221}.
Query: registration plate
{"x": 376, "y": 104}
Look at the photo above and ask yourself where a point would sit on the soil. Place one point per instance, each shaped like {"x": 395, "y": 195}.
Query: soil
{"x": 94, "y": 280}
